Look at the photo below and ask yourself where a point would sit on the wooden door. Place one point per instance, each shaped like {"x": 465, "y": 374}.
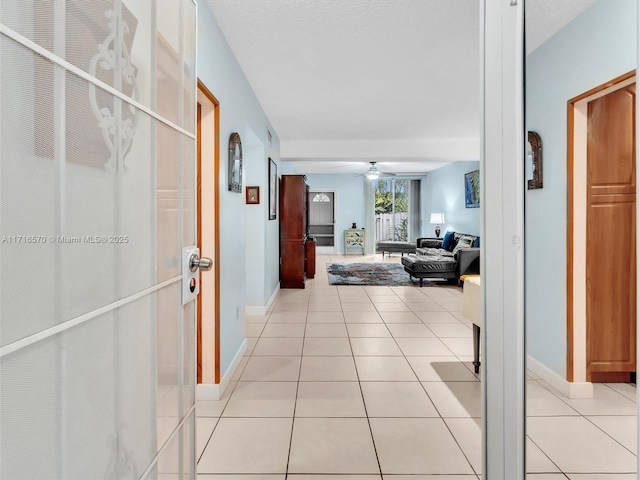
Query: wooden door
{"x": 611, "y": 234}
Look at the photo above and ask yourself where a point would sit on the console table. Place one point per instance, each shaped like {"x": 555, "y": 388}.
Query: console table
{"x": 354, "y": 237}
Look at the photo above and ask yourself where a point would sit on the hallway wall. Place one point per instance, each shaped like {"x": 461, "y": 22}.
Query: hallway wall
{"x": 596, "y": 47}
{"x": 240, "y": 112}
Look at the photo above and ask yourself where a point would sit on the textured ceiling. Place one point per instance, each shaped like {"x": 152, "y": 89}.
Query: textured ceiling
{"x": 546, "y": 17}
{"x": 345, "y": 82}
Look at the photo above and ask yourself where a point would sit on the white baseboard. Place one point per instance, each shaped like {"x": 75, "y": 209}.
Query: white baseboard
{"x": 215, "y": 391}
{"x": 262, "y": 310}
{"x": 566, "y": 388}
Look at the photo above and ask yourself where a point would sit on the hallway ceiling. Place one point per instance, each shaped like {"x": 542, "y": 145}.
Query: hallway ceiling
{"x": 345, "y": 82}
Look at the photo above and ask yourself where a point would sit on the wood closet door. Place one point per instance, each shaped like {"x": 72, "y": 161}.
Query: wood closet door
{"x": 611, "y": 236}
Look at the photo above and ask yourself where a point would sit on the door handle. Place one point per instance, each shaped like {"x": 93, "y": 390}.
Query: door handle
{"x": 204, "y": 263}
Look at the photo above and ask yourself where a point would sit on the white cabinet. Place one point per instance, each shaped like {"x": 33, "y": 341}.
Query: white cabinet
{"x": 354, "y": 237}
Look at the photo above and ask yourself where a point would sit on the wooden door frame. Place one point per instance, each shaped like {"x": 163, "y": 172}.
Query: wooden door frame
{"x": 216, "y": 219}
{"x": 618, "y": 82}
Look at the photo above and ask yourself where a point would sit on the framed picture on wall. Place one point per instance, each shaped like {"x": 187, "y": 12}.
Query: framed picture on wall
{"x": 472, "y": 189}
{"x": 273, "y": 189}
{"x": 253, "y": 195}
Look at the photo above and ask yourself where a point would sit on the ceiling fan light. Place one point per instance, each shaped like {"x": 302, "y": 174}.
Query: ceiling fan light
{"x": 373, "y": 174}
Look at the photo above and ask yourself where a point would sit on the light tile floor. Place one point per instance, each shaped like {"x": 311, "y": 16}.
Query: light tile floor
{"x": 365, "y": 383}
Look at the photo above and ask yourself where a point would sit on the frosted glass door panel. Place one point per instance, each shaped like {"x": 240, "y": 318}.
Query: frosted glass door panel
{"x": 175, "y": 64}
{"x": 81, "y": 398}
{"x": 97, "y": 351}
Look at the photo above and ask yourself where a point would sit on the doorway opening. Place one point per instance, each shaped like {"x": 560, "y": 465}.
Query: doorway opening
{"x": 208, "y": 236}
{"x": 601, "y": 195}
{"x": 322, "y": 219}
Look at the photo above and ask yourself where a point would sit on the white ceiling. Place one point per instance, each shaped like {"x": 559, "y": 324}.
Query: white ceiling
{"x": 345, "y": 82}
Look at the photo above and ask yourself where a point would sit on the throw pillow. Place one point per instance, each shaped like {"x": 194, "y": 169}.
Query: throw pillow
{"x": 476, "y": 243}
{"x": 447, "y": 241}
{"x": 464, "y": 242}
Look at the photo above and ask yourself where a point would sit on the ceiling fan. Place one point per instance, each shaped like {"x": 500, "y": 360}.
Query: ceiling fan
{"x": 373, "y": 173}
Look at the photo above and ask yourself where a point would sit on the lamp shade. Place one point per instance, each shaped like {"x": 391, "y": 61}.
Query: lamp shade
{"x": 437, "y": 218}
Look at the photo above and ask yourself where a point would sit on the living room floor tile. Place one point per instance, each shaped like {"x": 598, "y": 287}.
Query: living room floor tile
{"x": 542, "y": 403}
{"x": 358, "y": 307}
{"x": 399, "y": 317}
{"x": 460, "y": 346}
{"x": 319, "y": 306}
{"x": 437, "y": 317}
{"x": 325, "y": 317}
{"x": 315, "y": 347}
{"x": 410, "y": 330}
{"x": 605, "y": 401}
{"x": 367, "y": 330}
{"x": 455, "y": 399}
{"x": 332, "y": 445}
{"x": 288, "y": 317}
{"x": 329, "y": 399}
{"x": 328, "y": 369}
{"x": 417, "y": 445}
{"x": 291, "y": 330}
{"x": 253, "y": 330}
{"x": 397, "y": 399}
{"x": 431, "y": 306}
{"x": 576, "y": 445}
{"x": 441, "y": 369}
{"x": 262, "y": 399}
{"x": 451, "y": 330}
{"x": 468, "y": 434}
{"x": 392, "y": 307}
{"x": 452, "y": 306}
{"x": 623, "y": 429}
{"x": 423, "y": 347}
{"x": 375, "y": 346}
{"x": 247, "y": 445}
{"x": 362, "y": 317}
{"x": 378, "y": 290}
{"x": 278, "y": 346}
{"x": 271, "y": 369}
{"x": 381, "y": 369}
{"x": 326, "y": 330}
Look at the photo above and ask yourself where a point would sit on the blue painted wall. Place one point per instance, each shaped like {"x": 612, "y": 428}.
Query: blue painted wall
{"x": 444, "y": 193}
{"x": 240, "y": 112}
{"x": 596, "y": 47}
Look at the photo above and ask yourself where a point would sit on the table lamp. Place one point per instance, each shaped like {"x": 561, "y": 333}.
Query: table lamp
{"x": 437, "y": 219}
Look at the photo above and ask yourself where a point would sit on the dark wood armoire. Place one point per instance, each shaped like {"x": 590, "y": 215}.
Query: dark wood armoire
{"x": 295, "y": 251}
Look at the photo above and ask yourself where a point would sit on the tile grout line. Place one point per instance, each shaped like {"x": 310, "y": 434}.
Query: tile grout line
{"x": 364, "y": 403}
{"x": 295, "y": 402}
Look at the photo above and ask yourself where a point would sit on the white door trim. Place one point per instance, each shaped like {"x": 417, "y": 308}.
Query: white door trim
{"x": 329, "y": 250}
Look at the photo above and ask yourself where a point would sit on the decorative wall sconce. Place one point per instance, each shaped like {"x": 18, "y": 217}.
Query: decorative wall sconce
{"x": 235, "y": 163}
{"x": 534, "y": 161}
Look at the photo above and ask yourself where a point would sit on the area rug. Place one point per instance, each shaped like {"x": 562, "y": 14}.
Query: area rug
{"x": 378, "y": 274}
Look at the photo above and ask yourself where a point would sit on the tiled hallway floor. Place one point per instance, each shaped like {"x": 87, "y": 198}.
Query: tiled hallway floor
{"x": 365, "y": 383}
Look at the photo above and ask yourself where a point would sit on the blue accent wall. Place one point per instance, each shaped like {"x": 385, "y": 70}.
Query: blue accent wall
{"x": 596, "y": 47}
{"x": 444, "y": 193}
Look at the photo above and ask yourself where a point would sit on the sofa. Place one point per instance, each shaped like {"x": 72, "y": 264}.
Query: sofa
{"x": 450, "y": 257}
